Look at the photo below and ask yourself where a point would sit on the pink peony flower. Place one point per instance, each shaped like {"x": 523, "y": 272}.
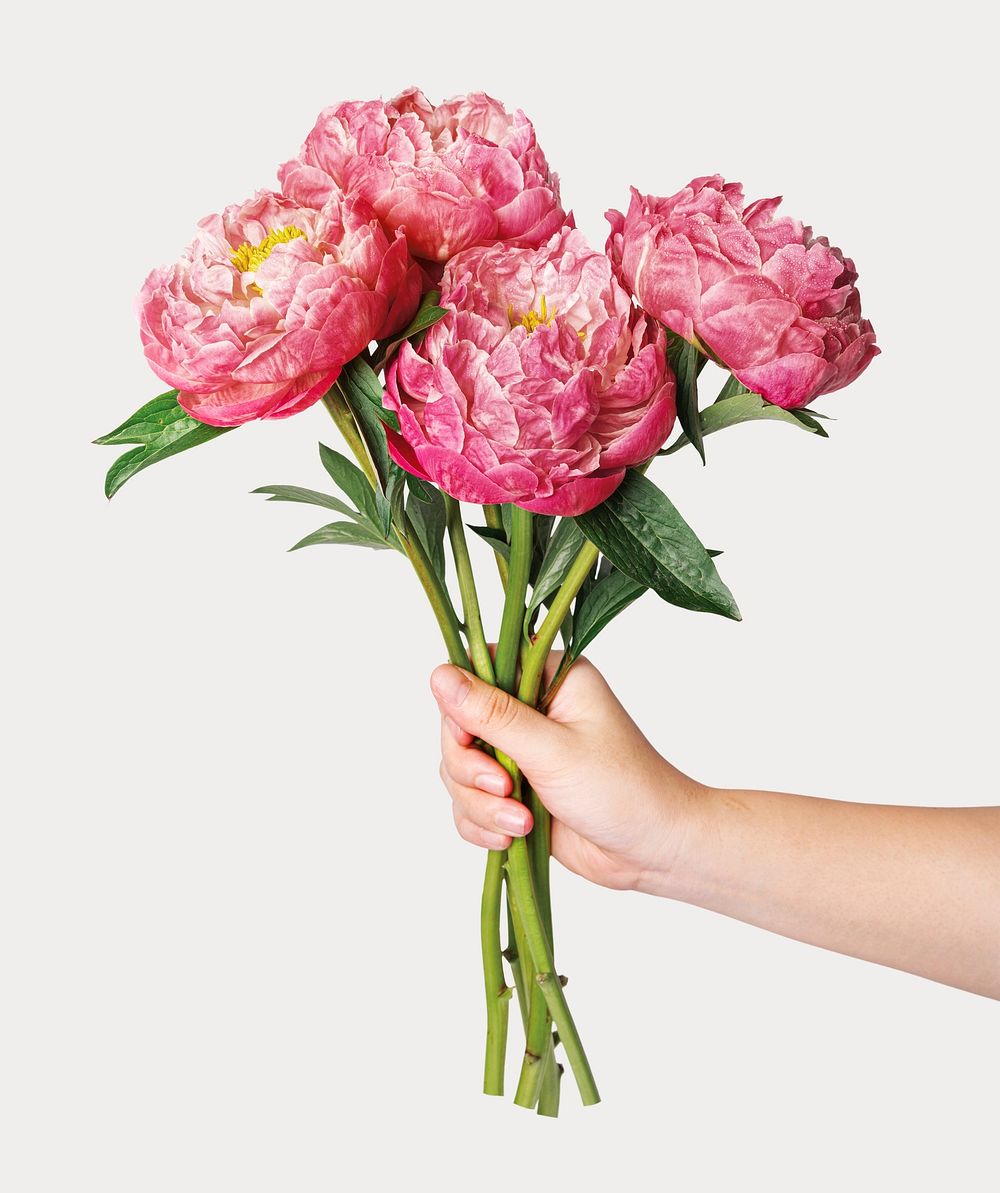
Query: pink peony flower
{"x": 269, "y": 301}
{"x": 460, "y": 174}
{"x": 541, "y": 385}
{"x": 775, "y": 304}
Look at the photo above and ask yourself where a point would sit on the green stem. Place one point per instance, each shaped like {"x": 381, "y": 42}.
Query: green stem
{"x": 532, "y": 668}
{"x": 548, "y": 1093}
{"x": 519, "y": 864}
{"x": 519, "y": 568}
{"x": 494, "y": 519}
{"x": 537, "y": 655}
{"x": 538, "y": 1036}
{"x": 497, "y": 990}
{"x": 515, "y": 952}
{"x": 343, "y": 416}
{"x": 437, "y": 594}
{"x": 433, "y": 585}
{"x": 522, "y": 882}
{"x": 478, "y": 647}
{"x": 539, "y": 1081}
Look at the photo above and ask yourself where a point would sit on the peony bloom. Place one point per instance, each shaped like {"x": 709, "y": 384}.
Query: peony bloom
{"x": 775, "y": 304}
{"x": 541, "y": 385}
{"x": 269, "y": 301}
{"x": 455, "y": 175}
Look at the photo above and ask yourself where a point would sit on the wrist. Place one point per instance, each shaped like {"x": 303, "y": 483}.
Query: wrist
{"x": 672, "y": 867}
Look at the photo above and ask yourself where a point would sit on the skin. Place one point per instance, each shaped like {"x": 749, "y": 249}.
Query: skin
{"x": 917, "y": 889}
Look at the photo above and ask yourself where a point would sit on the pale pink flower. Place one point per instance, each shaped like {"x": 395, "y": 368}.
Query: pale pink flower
{"x": 269, "y": 301}
{"x": 541, "y": 385}
{"x": 775, "y": 304}
{"x": 455, "y": 175}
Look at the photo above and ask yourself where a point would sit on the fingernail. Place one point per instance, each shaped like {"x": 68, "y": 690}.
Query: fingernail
{"x": 492, "y": 783}
{"x": 511, "y": 822}
{"x": 450, "y": 684}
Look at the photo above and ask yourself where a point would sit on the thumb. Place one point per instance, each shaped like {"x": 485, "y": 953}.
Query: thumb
{"x": 520, "y": 731}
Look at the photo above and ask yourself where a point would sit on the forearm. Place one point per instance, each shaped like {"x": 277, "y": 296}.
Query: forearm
{"x": 917, "y": 889}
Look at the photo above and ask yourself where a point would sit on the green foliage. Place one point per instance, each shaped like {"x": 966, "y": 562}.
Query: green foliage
{"x": 748, "y": 407}
{"x": 365, "y": 529}
{"x": 428, "y": 313}
{"x": 643, "y": 535}
{"x": 428, "y": 518}
{"x": 687, "y": 361}
{"x": 563, "y": 548}
{"x": 497, "y": 539}
{"x": 161, "y": 429}
{"x": 608, "y": 597}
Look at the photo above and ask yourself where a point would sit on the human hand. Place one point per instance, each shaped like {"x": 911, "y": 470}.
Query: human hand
{"x": 620, "y": 810}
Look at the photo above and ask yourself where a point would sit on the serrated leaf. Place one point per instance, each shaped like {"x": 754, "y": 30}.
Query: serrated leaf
{"x": 429, "y": 520}
{"x": 606, "y": 599}
{"x": 563, "y": 548}
{"x": 349, "y": 478}
{"x": 428, "y": 313}
{"x": 685, "y": 360}
{"x": 162, "y": 429}
{"x": 747, "y": 407}
{"x": 309, "y": 497}
{"x": 345, "y": 532}
{"x": 641, "y": 532}
{"x": 497, "y": 539}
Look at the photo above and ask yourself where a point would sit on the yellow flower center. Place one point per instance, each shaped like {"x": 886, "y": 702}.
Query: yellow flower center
{"x": 532, "y": 320}
{"x": 248, "y": 258}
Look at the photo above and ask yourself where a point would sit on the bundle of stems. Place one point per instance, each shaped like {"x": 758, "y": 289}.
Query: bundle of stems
{"x": 516, "y": 902}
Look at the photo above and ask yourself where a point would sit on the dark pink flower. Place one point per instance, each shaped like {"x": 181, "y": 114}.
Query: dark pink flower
{"x": 541, "y": 385}
{"x": 775, "y": 304}
{"x": 455, "y": 175}
{"x": 269, "y": 301}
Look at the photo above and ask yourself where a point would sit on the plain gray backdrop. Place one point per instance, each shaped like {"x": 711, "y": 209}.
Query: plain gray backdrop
{"x": 239, "y": 933}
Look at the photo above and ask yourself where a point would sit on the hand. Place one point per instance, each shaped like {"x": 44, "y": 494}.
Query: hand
{"x": 619, "y": 809}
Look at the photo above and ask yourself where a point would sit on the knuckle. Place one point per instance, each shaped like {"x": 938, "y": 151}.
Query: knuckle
{"x": 499, "y": 708}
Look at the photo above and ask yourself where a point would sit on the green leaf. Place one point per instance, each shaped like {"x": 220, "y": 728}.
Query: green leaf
{"x": 563, "y": 548}
{"x": 162, "y": 429}
{"x": 542, "y": 526}
{"x": 732, "y": 388}
{"x": 395, "y": 492}
{"x": 362, "y": 391}
{"x": 428, "y": 313}
{"x": 309, "y": 497}
{"x": 348, "y": 477}
{"x": 747, "y": 407}
{"x": 429, "y": 519}
{"x": 420, "y": 488}
{"x": 608, "y": 597}
{"x": 345, "y": 532}
{"x": 642, "y": 533}
{"x": 497, "y": 539}
{"x": 686, "y": 360}
{"x": 808, "y": 420}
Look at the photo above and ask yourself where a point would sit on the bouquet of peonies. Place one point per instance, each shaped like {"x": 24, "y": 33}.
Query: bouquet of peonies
{"x": 417, "y": 274}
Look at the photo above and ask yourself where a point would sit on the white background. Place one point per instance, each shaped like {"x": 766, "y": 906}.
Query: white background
{"x": 238, "y": 931}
